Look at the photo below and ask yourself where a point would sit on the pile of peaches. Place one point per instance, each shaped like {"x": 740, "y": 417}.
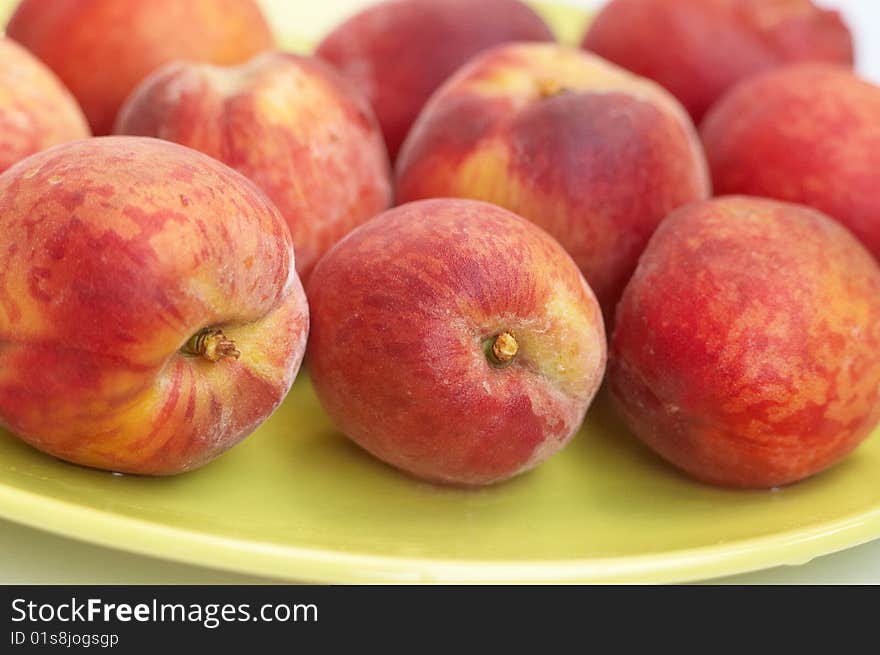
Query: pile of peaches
{"x": 553, "y": 216}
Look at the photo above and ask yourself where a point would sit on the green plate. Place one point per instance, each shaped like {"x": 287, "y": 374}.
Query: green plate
{"x": 297, "y": 501}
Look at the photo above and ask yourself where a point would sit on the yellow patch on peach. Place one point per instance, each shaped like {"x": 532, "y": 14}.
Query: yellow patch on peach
{"x": 287, "y": 99}
{"x": 19, "y": 310}
{"x": 262, "y": 361}
{"x": 561, "y": 359}
{"x": 477, "y": 176}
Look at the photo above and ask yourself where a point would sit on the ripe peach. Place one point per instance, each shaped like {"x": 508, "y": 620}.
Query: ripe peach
{"x": 594, "y": 155}
{"x": 807, "y": 134}
{"x": 454, "y": 340}
{"x": 102, "y": 48}
{"x": 699, "y": 48}
{"x": 290, "y": 125}
{"x": 150, "y": 313}
{"x": 747, "y": 345}
{"x": 36, "y": 111}
{"x": 398, "y": 52}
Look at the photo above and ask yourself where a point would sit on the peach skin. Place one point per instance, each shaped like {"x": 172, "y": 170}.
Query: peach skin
{"x": 150, "y": 313}
{"x": 290, "y": 124}
{"x": 747, "y": 345}
{"x": 36, "y": 111}
{"x": 101, "y": 49}
{"x": 698, "y": 49}
{"x": 591, "y": 153}
{"x": 398, "y": 52}
{"x": 808, "y": 133}
{"x": 455, "y": 341}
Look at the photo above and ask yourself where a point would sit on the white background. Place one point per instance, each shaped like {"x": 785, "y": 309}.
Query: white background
{"x": 32, "y": 556}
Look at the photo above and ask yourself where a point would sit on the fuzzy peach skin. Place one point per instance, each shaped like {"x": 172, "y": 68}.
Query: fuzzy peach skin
{"x": 594, "y": 155}
{"x": 747, "y": 345}
{"x": 290, "y": 124}
{"x": 36, "y": 111}
{"x": 700, "y": 48}
{"x": 115, "y": 251}
{"x": 809, "y": 134}
{"x": 101, "y": 49}
{"x": 407, "y": 313}
{"x": 397, "y": 53}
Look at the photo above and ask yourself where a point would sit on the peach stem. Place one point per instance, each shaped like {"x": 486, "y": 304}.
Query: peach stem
{"x": 547, "y": 88}
{"x": 504, "y": 349}
{"x": 211, "y": 344}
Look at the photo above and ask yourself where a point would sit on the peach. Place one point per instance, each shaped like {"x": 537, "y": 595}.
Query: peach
{"x": 454, "y": 340}
{"x": 747, "y": 345}
{"x": 36, "y": 111}
{"x": 397, "y": 53}
{"x": 150, "y": 313}
{"x": 101, "y": 49}
{"x": 698, "y": 49}
{"x": 807, "y": 134}
{"x": 594, "y": 155}
{"x": 290, "y": 124}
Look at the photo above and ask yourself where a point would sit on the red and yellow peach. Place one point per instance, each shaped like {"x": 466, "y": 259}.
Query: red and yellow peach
{"x": 698, "y": 49}
{"x": 36, "y": 111}
{"x": 290, "y": 124}
{"x": 454, "y": 340}
{"x": 150, "y": 313}
{"x": 398, "y": 52}
{"x": 591, "y": 153}
{"x": 101, "y": 49}
{"x": 808, "y": 134}
{"x": 747, "y": 345}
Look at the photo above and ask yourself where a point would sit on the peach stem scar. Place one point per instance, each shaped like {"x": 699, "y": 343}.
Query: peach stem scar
{"x": 211, "y": 344}
{"x": 502, "y": 349}
{"x": 548, "y": 88}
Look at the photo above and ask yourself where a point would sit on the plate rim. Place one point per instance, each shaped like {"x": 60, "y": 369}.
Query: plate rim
{"x": 308, "y": 565}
